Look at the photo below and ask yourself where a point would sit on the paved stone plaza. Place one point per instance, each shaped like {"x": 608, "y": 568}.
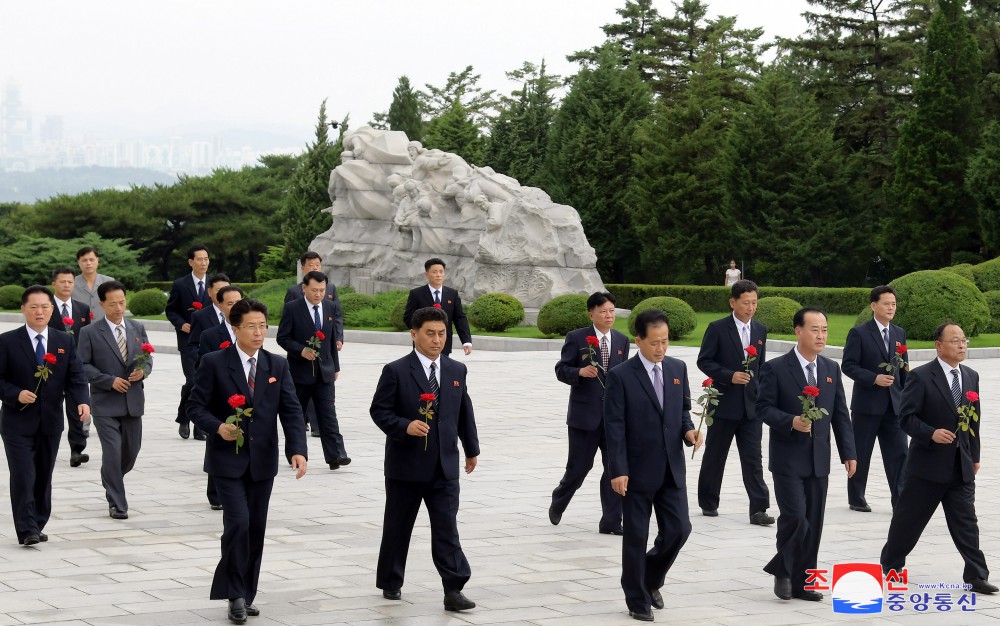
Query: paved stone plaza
{"x": 324, "y": 530}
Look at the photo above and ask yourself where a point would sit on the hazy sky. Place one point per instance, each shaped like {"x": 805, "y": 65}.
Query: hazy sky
{"x": 155, "y": 64}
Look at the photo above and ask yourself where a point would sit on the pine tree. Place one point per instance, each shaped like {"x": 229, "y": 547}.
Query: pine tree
{"x": 454, "y": 131}
{"x": 983, "y": 183}
{"x": 404, "y": 112}
{"x": 463, "y": 88}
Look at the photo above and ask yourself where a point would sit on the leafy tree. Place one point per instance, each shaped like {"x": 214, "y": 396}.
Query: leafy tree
{"x": 984, "y": 19}
{"x": 983, "y": 183}
{"x": 463, "y": 88}
{"x": 30, "y": 260}
{"x": 404, "y": 112}
{"x": 454, "y": 131}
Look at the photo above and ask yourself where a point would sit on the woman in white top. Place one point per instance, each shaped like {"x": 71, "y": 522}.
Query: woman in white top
{"x": 732, "y": 274}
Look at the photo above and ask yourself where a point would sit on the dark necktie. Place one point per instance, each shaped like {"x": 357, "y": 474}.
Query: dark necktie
{"x": 437, "y": 297}
{"x": 65, "y": 310}
{"x": 39, "y": 349}
{"x": 316, "y": 319}
{"x": 956, "y": 389}
{"x": 811, "y": 377}
{"x": 605, "y": 353}
{"x": 433, "y": 382}
{"x": 201, "y": 291}
{"x": 252, "y": 374}
{"x": 121, "y": 343}
{"x": 885, "y": 338}
{"x": 658, "y": 384}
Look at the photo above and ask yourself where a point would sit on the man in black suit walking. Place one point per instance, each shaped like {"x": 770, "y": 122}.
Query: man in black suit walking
{"x": 877, "y": 396}
{"x": 799, "y": 455}
{"x": 435, "y": 294}
{"x": 31, "y": 421}
{"x": 942, "y": 466}
{"x": 422, "y": 405}
{"x": 71, "y": 316}
{"x": 727, "y": 345}
{"x": 187, "y": 295}
{"x": 245, "y": 375}
{"x": 647, "y": 421}
{"x": 584, "y": 367}
{"x": 208, "y": 317}
{"x": 306, "y": 333}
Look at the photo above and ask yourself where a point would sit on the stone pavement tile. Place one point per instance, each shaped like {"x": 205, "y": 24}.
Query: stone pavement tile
{"x": 82, "y": 613}
{"x": 450, "y": 619}
{"x": 7, "y": 620}
{"x": 173, "y": 618}
{"x": 617, "y": 617}
{"x": 501, "y": 616}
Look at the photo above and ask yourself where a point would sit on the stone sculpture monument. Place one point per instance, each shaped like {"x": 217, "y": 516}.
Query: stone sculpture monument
{"x": 397, "y": 204}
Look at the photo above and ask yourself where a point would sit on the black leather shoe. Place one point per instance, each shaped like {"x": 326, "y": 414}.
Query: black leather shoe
{"x": 810, "y": 596}
{"x": 252, "y": 610}
{"x": 116, "y": 513}
{"x": 184, "y": 431}
{"x": 76, "y": 458}
{"x": 611, "y": 531}
{"x": 642, "y": 616}
{"x": 783, "y": 588}
{"x": 392, "y": 594}
{"x": 554, "y": 516}
{"x": 237, "y": 611}
{"x": 655, "y": 598}
{"x": 981, "y": 586}
{"x": 710, "y": 512}
{"x": 334, "y": 466}
{"x": 216, "y": 507}
{"x": 31, "y": 540}
{"x": 761, "y": 518}
{"x": 344, "y": 460}
{"x": 864, "y": 508}
{"x": 199, "y": 434}
{"x": 456, "y": 601}
{"x": 43, "y": 537}
{"x": 315, "y": 433}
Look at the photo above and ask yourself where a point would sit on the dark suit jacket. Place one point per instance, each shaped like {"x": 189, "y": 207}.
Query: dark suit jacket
{"x": 586, "y": 395}
{"x": 295, "y": 292}
{"x": 645, "y": 442}
{"x": 220, "y": 375}
{"x": 791, "y": 452}
{"x": 212, "y": 340}
{"x": 200, "y": 322}
{"x": 102, "y": 361}
{"x": 928, "y": 405}
{"x": 295, "y": 329}
{"x": 80, "y": 315}
{"x": 721, "y": 355}
{"x": 180, "y": 303}
{"x": 863, "y": 352}
{"x": 396, "y": 403}
{"x": 451, "y": 304}
{"x": 17, "y": 372}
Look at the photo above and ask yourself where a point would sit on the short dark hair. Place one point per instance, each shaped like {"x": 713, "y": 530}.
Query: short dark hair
{"x": 59, "y": 271}
{"x": 228, "y": 289}
{"x": 599, "y": 298}
{"x": 648, "y": 319}
{"x": 429, "y": 263}
{"x": 428, "y": 314}
{"x": 741, "y": 287}
{"x": 243, "y": 307}
{"x": 36, "y": 289}
{"x": 878, "y": 291}
{"x": 319, "y": 277}
{"x": 195, "y": 248}
{"x": 216, "y": 278}
{"x": 800, "y": 316}
{"x": 111, "y": 285}
{"x": 309, "y": 256}
{"x": 86, "y": 250}
{"x": 939, "y": 331}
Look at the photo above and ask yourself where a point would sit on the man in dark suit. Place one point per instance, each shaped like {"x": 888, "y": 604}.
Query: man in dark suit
{"x": 314, "y": 369}
{"x": 941, "y": 467}
{"x": 70, "y": 316}
{"x": 435, "y": 294}
{"x": 647, "y": 421}
{"x": 799, "y": 454}
{"x": 724, "y": 350}
{"x": 585, "y": 418}
{"x": 31, "y": 421}
{"x": 188, "y": 294}
{"x": 877, "y": 396}
{"x": 421, "y": 457}
{"x": 208, "y": 317}
{"x": 108, "y": 350}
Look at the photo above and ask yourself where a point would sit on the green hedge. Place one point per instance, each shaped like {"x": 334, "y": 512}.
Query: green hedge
{"x": 10, "y": 296}
{"x": 496, "y": 312}
{"x": 367, "y": 311}
{"x": 965, "y": 270}
{"x": 396, "y": 315}
{"x": 147, "y": 302}
{"x": 562, "y": 314}
{"x": 993, "y": 301}
{"x": 930, "y": 297}
{"x": 987, "y": 276}
{"x": 272, "y": 294}
{"x": 840, "y": 300}
{"x": 777, "y": 313}
{"x": 680, "y": 316}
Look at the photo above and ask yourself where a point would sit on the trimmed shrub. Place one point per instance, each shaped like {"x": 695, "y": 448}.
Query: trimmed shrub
{"x": 272, "y": 294}
{"x": 147, "y": 302}
{"x": 496, "y": 312}
{"x": 10, "y": 296}
{"x": 966, "y": 257}
{"x": 353, "y": 302}
{"x": 929, "y": 297}
{"x": 562, "y": 314}
{"x": 993, "y": 301}
{"x": 864, "y": 316}
{"x": 964, "y": 270}
{"x": 680, "y": 315}
{"x": 778, "y": 314}
{"x": 396, "y": 315}
{"x": 986, "y": 275}
{"x": 840, "y": 300}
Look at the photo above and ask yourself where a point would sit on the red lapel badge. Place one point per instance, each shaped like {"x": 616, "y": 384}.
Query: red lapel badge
{"x": 829, "y": 380}
{"x": 619, "y": 353}
{"x": 449, "y": 301}
{"x": 677, "y": 382}
{"x": 760, "y": 342}
{"x": 61, "y": 351}
{"x": 898, "y": 344}
{"x": 272, "y": 380}
{"x": 454, "y": 383}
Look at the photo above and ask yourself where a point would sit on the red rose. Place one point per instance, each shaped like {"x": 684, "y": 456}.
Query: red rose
{"x": 972, "y": 396}
{"x": 91, "y": 315}
{"x": 708, "y": 382}
{"x": 437, "y": 305}
{"x": 49, "y": 358}
{"x": 236, "y": 400}
{"x": 320, "y": 335}
{"x": 593, "y": 341}
{"x": 148, "y": 348}
{"x": 811, "y": 391}
{"x": 427, "y": 397}
{"x": 225, "y": 344}
{"x": 751, "y": 350}
{"x": 900, "y": 350}
{"x": 197, "y": 305}
{"x": 67, "y": 321}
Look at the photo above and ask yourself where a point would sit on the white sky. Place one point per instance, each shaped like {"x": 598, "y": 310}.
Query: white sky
{"x": 157, "y": 64}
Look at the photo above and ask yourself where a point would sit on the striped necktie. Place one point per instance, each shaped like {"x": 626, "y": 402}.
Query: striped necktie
{"x": 121, "y": 342}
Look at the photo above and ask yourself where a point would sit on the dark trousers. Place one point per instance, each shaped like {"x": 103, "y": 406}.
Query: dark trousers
{"x": 188, "y": 367}
{"x": 121, "y": 438}
{"x": 713, "y": 463}
{"x": 76, "y": 431}
{"x": 583, "y": 445}
{"x": 802, "y": 502}
{"x": 402, "y": 502}
{"x": 244, "y": 520}
{"x": 30, "y": 461}
{"x": 916, "y": 505}
{"x": 309, "y": 415}
{"x": 891, "y": 440}
{"x": 323, "y": 395}
{"x": 642, "y": 570}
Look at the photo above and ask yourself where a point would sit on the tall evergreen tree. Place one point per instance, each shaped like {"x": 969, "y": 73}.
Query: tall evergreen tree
{"x": 463, "y": 88}
{"x": 404, "y": 112}
{"x": 984, "y": 19}
{"x": 983, "y": 183}
{"x": 638, "y": 37}
{"x": 454, "y": 131}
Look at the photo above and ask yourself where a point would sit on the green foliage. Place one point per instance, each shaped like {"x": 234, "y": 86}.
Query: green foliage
{"x": 454, "y": 131}
{"x": 274, "y": 264}
{"x": 864, "y": 316}
{"x": 405, "y": 112}
{"x": 496, "y": 312}
{"x": 10, "y": 297}
{"x": 366, "y": 311}
{"x": 986, "y": 275}
{"x": 680, "y": 316}
{"x": 461, "y": 88}
{"x": 353, "y": 302}
{"x": 983, "y": 183}
{"x": 840, "y": 300}
{"x": 272, "y": 294}
{"x": 993, "y": 301}
{"x": 30, "y": 260}
{"x": 396, "y": 315}
{"x": 147, "y": 302}
{"x": 929, "y": 297}
{"x": 965, "y": 270}
{"x": 562, "y": 314}
{"x": 778, "y": 314}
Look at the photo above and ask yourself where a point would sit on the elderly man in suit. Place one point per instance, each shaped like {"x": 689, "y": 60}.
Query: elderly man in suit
{"x": 188, "y": 295}
{"x": 71, "y": 316}
{"x": 731, "y": 354}
{"x": 877, "y": 395}
{"x": 85, "y": 285}
{"x": 112, "y": 354}
{"x": 422, "y": 405}
{"x": 799, "y": 457}
{"x": 942, "y": 465}
{"x": 584, "y": 367}
{"x": 243, "y": 458}
{"x": 647, "y": 419}
{"x": 435, "y": 294}
{"x": 31, "y": 421}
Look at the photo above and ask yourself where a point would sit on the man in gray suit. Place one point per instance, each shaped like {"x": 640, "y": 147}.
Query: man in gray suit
{"x": 109, "y": 349}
